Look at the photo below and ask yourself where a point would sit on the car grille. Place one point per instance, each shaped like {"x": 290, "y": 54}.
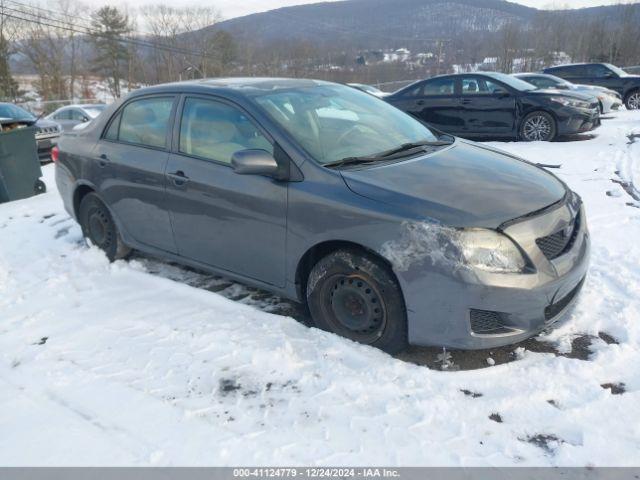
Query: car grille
{"x": 560, "y": 242}
{"x": 46, "y": 130}
{"x": 487, "y": 322}
{"x": 555, "y": 308}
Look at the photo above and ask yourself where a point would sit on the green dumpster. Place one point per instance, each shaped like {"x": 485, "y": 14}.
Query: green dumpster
{"x": 19, "y": 165}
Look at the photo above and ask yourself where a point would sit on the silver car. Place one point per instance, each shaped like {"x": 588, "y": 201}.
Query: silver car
{"x": 70, "y": 116}
{"x": 607, "y": 99}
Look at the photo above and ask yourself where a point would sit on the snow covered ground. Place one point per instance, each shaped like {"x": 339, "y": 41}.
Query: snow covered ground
{"x": 142, "y": 363}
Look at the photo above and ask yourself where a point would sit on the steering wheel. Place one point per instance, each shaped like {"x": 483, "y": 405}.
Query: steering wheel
{"x": 354, "y": 129}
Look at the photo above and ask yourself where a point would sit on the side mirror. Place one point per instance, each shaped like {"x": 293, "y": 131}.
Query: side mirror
{"x": 85, "y": 119}
{"x": 255, "y": 162}
{"x": 609, "y": 75}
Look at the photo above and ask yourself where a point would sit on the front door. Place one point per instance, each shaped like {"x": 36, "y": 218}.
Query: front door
{"x": 602, "y": 76}
{"x": 220, "y": 218}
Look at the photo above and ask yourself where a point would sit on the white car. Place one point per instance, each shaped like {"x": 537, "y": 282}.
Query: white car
{"x": 608, "y": 99}
{"x": 371, "y": 90}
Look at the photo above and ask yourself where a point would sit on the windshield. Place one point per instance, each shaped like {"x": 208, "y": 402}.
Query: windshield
{"x": 560, "y": 81}
{"x": 8, "y": 110}
{"x": 333, "y": 122}
{"x": 616, "y": 70}
{"x": 94, "y": 111}
{"x": 513, "y": 82}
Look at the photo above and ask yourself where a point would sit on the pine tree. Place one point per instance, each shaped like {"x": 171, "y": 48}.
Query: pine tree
{"x": 109, "y": 27}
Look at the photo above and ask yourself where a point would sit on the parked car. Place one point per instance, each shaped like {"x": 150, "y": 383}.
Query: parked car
{"x": 607, "y": 99}
{"x": 376, "y": 92}
{"x": 603, "y": 75}
{"x": 483, "y": 105}
{"x": 72, "y": 115}
{"x": 389, "y": 231}
{"x": 47, "y": 131}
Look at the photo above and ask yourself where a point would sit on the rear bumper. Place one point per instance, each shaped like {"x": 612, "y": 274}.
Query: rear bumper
{"x": 45, "y": 144}
{"x": 65, "y": 183}
{"x": 442, "y": 307}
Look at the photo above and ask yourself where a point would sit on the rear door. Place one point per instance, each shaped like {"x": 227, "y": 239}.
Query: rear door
{"x": 437, "y": 102}
{"x": 220, "y": 218}
{"x": 488, "y": 107}
{"x": 129, "y": 164}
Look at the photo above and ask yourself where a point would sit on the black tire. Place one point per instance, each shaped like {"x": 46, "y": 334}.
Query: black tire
{"x": 632, "y": 100}
{"x": 357, "y": 296}
{"x": 99, "y": 228}
{"x": 39, "y": 187}
{"x": 538, "y": 126}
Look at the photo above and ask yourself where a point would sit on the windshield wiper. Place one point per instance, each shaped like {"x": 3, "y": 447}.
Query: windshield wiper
{"x": 387, "y": 154}
{"x": 412, "y": 146}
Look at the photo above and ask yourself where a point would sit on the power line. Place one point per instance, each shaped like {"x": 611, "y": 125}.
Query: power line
{"x": 71, "y": 27}
{"x": 64, "y": 16}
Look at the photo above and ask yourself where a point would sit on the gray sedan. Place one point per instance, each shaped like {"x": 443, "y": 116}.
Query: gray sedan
{"x": 70, "y": 116}
{"x": 390, "y": 232}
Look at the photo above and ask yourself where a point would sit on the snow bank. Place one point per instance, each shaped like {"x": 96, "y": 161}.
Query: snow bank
{"x": 114, "y": 365}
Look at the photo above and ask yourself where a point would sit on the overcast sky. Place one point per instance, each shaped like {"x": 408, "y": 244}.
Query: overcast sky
{"x": 237, "y": 8}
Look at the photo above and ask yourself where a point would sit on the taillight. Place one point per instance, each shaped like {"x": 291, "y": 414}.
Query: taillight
{"x": 55, "y": 152}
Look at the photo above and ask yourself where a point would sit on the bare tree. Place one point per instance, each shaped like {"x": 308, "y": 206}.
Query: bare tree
{"x": 42, "y": 42}
{"x": 8, "y": 29}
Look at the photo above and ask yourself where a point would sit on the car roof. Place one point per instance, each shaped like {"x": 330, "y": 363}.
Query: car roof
{"x": 243, "y": 86}
{"x": 83, "y": 105}
{"x": 574, "y": 65}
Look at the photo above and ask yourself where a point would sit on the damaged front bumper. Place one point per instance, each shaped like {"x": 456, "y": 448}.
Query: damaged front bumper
{"x": 475, "y": 310}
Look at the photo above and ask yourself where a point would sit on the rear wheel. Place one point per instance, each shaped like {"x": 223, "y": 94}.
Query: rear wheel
{"x": 356, "y": 296}
{"x": 632, "y": 102}
{"x": 538, "y": 127}
{"x": 99, "y": 228}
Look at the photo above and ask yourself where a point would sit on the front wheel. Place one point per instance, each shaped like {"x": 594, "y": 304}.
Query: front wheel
{"x": 99, "y": 228}
{"x": 357, "y": 296}
{"x": 538, "y": 127}
{"x": 632, "y": 102}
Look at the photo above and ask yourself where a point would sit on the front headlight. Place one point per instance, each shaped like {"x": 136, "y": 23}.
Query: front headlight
{"x": 490, "y": 251}
{"x": 568, "y": 102}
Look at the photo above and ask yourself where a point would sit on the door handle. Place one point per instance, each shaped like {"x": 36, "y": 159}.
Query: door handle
{"x": 420, "y": 102}
{"x": 104, "y": 160}
{"x": 178, "y": 178}
{"x": 466, "y": 101}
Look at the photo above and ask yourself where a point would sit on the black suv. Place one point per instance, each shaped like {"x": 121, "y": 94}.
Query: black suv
{"x": 604, "y": 75}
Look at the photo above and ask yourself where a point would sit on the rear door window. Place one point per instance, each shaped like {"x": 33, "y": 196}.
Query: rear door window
{"x": 143, "y": 122}
{"x": 540, "y": 82}
{"x": 480, "y": 86}
{"x": 440, "y": 86}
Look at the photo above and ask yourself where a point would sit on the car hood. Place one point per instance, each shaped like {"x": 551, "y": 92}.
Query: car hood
{"x": 45, "y": 123}
{"x": 465, "y": 185}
